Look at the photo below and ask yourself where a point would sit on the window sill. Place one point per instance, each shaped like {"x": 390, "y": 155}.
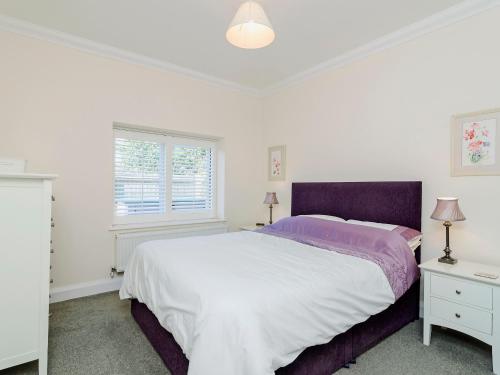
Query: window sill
{"x": 165, "y": 224}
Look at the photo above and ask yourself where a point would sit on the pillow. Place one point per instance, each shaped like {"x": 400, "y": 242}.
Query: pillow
{"x": 412, "y": 236}
{"x": 414, "y": 243}
{"x": 326, "y": 217}
{"x": 374, "y": 225}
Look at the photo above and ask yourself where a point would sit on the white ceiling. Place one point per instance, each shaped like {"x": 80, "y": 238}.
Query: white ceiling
{"x": 191, "y": 33}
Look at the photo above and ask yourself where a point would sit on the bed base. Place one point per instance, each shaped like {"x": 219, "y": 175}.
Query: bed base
{"x": 316, "y": 360}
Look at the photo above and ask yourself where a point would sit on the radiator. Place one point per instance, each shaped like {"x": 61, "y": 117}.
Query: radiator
{"x": 125, "y": 243}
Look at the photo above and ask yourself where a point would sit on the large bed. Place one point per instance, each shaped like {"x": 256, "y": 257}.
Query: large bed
{"x": 383, "y": 202}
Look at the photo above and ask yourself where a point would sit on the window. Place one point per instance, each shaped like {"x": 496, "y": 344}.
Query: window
{"x": 139, "y": 177}
{"x": 192, "y": 178}
{"x": 162, "y": 176}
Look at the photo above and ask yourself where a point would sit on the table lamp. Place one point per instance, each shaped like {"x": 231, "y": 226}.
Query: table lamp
{"x": 447, "y": 210}
{"x": 271, "y": 199}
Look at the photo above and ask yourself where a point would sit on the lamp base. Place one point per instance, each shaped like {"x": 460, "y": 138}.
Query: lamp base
{"x": 447, "y": 259}
{"x": 447, "y": 251}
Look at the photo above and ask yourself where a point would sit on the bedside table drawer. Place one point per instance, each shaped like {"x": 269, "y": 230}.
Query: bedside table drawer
{"x": 478, "y": 320}
{"x": 462, "y": 291}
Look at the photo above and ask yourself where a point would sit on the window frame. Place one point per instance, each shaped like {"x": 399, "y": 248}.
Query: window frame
{"x": 168, "y": 140}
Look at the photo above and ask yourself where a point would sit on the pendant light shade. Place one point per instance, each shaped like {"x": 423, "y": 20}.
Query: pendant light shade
{"x": 250, "y": 28}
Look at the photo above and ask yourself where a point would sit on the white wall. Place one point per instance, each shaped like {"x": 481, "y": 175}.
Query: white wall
{"x": 383, "y": 118}
{"x": 57, "y": 109}
{"x": 387, "y": 117}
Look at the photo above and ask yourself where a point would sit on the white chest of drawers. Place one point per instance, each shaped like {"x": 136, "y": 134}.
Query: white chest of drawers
{"x": 25, "y": 228}
{"x": 455, "y": 298}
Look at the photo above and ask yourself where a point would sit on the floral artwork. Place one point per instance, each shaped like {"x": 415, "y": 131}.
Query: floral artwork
{"x": 474, "y": 143}
{"x": 478, "y": 143}
{"x": 277, "y": 163}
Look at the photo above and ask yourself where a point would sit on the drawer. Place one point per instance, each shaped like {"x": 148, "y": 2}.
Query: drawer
{"x": 462, "y": 291}
{"x": 479, "y": 320}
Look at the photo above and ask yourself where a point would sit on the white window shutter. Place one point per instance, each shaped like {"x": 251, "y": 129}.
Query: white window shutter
{"x": 139, "y": 183}
{"x": 192, "y": 178}
{"x": 160, "y": 177}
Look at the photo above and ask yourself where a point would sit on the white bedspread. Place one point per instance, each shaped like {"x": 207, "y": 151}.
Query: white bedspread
{"x": 246, "y": 303}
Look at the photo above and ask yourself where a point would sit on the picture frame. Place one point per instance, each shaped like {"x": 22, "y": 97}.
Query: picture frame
{"x": 277, "y": 163}
{"x": 475, "y": 143}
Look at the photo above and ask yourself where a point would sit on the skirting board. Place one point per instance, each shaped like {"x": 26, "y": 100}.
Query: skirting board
{"x": 85, "y": 289}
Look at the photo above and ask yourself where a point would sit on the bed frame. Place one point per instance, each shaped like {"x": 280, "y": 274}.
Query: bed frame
{"x": 386, "y": 202}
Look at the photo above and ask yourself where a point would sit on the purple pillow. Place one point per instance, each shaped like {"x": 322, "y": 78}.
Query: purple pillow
{"x": 407, "y": 233}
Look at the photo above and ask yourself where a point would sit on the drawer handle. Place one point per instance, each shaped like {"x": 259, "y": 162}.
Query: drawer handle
{"x": 458, "y": 292}
{"x": 457, "y": 315}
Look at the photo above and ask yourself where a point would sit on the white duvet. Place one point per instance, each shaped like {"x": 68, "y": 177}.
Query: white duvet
{"x": 246, "y": 303}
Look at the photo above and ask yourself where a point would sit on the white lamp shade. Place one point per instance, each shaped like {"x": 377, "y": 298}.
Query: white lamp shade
{"x": 271, "y": 198}
{"x": 250, "y": 28}
{"x": 447, "y": 209}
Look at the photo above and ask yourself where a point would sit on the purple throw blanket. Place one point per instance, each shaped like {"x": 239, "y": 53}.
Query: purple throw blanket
{"x": 388, "y": 249}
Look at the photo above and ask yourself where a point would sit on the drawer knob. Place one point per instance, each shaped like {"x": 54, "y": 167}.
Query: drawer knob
{"x": 458, "y": 292}
{"x": 457, "y": 315}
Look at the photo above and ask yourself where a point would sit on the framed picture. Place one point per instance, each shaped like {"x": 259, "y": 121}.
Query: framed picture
{"x": 475, "y": 141}
{"x": 277, "y": 163}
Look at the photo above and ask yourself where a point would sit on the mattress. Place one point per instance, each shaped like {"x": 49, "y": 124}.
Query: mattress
{"x": 249, "y": 303}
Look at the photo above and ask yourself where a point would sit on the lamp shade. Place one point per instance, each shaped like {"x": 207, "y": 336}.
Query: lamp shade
{"x": 250, "y": 27}
{"x": 271, "y": 198}
{"x": 447, "y": 209}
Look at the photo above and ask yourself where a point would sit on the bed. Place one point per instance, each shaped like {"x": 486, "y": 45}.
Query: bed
{"x": 385, "y": 202}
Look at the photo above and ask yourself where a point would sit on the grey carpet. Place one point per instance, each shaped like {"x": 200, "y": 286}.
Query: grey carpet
{"x": 97, "y": 335}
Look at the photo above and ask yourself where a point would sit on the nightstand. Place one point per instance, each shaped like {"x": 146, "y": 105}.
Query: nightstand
{"x": 455, "y": 298}
{"x": 252, "y": 227}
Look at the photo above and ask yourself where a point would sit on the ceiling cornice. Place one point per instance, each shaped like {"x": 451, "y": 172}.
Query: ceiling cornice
{"x": 449, "y": 16}
{"x": 18, "y": 26}
{"x": 439, "y": 20}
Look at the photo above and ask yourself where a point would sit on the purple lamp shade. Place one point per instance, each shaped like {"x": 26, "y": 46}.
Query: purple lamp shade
{"x": 447, "y": 209}
{"x": 271, "y": 199}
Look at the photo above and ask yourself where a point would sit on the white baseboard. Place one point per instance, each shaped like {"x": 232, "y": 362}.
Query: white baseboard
{"x": 85, "y": 289}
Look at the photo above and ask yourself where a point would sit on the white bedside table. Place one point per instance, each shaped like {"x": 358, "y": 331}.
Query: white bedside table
{"x": 252, "y": 227}
{"x": 455, "y": 298}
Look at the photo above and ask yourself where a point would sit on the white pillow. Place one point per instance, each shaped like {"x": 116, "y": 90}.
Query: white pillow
{"x": 326, "y": 217}
{"x": 374, "y": 225}
{"x": 415, "y": 242}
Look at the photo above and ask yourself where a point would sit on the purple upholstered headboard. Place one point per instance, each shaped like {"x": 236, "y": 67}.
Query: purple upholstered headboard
{"x": 395, "y": 202}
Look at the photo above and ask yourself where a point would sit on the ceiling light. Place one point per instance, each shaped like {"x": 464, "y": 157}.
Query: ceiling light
{"x": 250, "y": 28}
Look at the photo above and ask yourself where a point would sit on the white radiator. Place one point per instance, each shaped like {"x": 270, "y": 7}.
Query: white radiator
{"x": 125, "y": 243}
